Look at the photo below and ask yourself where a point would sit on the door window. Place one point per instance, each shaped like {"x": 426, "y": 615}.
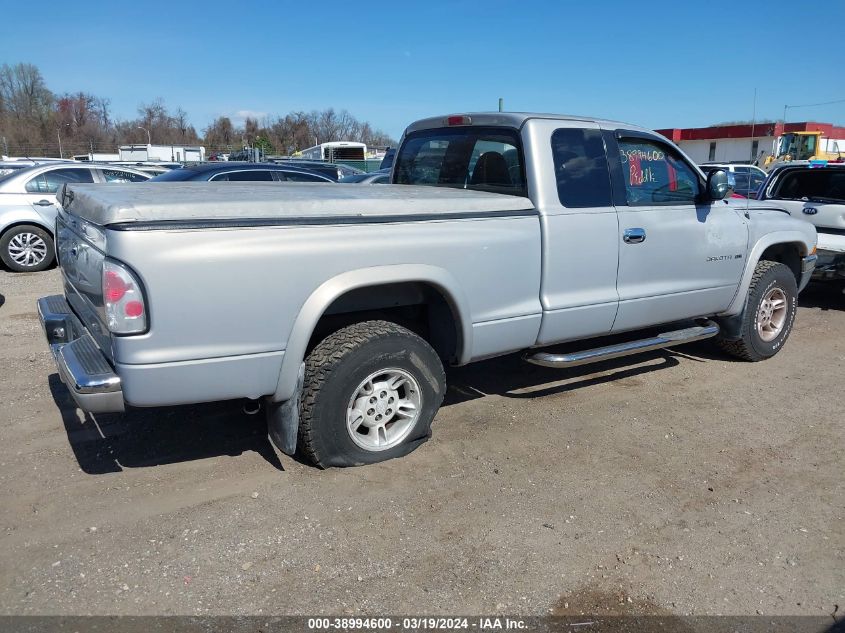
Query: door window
{"x": 118, "y": 175}
{"x": 299, "y": 177}
{"x": 50, "y": 181}
{"x": 581, "y": 169}
{"x": 246, "y": 176}
{"x": 654, "y": 174}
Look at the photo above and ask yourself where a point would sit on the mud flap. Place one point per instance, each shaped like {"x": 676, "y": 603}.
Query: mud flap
{"x": 283, "y": 418}
{"x": 731, "y": 327}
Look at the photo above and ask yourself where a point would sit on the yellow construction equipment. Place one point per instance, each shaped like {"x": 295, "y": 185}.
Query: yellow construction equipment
{"x": 806, "y": 146}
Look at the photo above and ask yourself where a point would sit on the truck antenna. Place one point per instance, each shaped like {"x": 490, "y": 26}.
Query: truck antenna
{"x": 751, "y": 151}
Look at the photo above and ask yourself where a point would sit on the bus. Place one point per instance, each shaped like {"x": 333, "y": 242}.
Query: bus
{"x": 335, "y": 151}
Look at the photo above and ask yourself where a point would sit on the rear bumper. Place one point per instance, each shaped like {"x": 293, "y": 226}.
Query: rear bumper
{"x": 82, "y": 367}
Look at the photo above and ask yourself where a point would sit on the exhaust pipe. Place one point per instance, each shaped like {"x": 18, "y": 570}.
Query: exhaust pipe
{"x": 251, "y": 407}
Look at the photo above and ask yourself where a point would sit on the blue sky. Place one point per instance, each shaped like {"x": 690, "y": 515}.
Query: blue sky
{"x": 649, "y": 62}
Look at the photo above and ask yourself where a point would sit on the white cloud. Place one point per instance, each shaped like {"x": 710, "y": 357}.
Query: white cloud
{"x": 240, "y": 116}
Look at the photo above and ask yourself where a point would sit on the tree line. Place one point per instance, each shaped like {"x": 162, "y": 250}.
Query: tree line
{"x": 34, "y": 121}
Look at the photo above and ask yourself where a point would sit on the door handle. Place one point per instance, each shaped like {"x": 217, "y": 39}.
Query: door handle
{"x": 43, "y": 203}
{"x": 633, "y": 236}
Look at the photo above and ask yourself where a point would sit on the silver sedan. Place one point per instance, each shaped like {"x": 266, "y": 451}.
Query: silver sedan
{"x": 28, "y": 207}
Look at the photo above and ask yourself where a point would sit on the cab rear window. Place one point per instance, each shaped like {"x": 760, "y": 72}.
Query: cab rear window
{"x": 483, "y": 159}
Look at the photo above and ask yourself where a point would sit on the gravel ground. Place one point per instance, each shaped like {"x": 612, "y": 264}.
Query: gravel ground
{"x": 673, "y": 483}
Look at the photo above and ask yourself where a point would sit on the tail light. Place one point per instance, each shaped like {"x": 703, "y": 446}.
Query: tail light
{"x": 126, "y": 312}
{"x": 458, "y": 120}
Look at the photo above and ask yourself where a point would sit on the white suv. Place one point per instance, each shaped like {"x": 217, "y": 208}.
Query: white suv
{"x": 815, "y": 193}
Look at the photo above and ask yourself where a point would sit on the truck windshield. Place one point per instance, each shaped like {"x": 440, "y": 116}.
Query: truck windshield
{"x": 485, "y": 159}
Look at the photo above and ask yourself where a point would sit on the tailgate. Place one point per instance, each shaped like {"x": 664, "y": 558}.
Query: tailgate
{"x": 79, "y": 246}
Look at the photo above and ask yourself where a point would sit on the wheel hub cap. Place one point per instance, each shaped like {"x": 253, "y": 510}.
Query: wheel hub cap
{"x": 27, "y": 249}
{"x": 771, "y": 315}
{"x": 383, "y": 409}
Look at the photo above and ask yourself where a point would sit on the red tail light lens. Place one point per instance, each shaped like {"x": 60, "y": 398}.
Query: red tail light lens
{"x": 133, "y": 309}
{"x": 114, "y": 288}
{"x": 123, "y": 300}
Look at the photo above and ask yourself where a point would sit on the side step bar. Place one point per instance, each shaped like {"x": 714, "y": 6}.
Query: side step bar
{"x": 708, "y": 329}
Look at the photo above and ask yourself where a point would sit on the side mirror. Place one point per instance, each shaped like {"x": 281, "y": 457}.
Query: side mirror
{"x": 718, "y": 184}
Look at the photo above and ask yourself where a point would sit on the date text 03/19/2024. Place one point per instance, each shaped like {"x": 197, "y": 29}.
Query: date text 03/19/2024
{"x": 417, "y": 623}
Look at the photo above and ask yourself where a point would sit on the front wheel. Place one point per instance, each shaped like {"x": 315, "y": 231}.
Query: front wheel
{"x": 26, "y": 249}
{"x": 370, "y": 393}
{"x": 769, "y": 313}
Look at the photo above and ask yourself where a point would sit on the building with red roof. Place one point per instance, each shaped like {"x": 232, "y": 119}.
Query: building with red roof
{"x": 747, "y": 142}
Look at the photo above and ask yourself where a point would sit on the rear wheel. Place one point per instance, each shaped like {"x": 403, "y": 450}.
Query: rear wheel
{"x": 769, "y": 313}
{"x": 370, "y": 393}
{"x": 26, "y": 248}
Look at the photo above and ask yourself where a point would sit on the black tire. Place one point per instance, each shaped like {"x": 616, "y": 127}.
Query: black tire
{"x": 27, "y": 229}
{"x": 750, "y": 346}
{"x": 336, "y": 368}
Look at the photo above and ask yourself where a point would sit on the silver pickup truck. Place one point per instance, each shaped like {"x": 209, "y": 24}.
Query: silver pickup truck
{"x": 337, "y": 306}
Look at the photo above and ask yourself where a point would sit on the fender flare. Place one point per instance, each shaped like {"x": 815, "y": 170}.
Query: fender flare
{"x": 769, "y": 239}
{"x": 317, "y": 303}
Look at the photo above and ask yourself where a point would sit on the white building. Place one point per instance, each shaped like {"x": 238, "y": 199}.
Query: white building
{"x": 747, "y": 143}
{"x": 166, "y": 153}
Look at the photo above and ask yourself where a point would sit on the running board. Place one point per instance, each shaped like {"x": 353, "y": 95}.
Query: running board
{"x": 708, "y": 329}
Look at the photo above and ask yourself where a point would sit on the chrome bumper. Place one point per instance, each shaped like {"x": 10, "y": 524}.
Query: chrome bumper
{"x": 89, "y": 377}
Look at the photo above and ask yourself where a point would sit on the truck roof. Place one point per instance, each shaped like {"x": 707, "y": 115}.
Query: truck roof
{"x": 516, "y": 120}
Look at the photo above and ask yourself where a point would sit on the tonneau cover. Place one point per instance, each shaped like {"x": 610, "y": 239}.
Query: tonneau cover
{"x": 175, "y": 201}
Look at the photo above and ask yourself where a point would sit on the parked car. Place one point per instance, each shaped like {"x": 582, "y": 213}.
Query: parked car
{"x": 7, "y": 167}
{"x": 815, "y": 193}
{"x": 239, "y": 171}
{"x": 374, "y": 178}
{"x": 151, "y": 164}
{"x": 387, "y": 160}
{"x": 747, "y": 179}
{"x": 153, "y": 170}
{"x": 335, "y": 171}
{"x": 510, "y": 232}
{"x": 14, "y": 164}
{"x": 28, "y": 207}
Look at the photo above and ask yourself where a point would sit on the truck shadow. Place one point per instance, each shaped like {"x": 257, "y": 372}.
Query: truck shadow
{"x": 825, "y": 295}
{"x": 140, "y": 438}
{"x": 512, "y": 377}
{"x": 108, "y": 443}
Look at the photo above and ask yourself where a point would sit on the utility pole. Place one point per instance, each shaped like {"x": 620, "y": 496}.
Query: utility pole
{"x": 59, "y": 136}
{"x": 149, "y": 138}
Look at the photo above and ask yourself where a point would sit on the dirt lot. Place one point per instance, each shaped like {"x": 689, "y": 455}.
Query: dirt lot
{"x": 675, "y": 483}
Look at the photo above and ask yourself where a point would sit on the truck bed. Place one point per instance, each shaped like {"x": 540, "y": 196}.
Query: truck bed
{"x": 180, "y": 202}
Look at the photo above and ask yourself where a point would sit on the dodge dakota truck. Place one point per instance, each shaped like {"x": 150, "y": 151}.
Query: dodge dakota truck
{"x": 336, "y": 307}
